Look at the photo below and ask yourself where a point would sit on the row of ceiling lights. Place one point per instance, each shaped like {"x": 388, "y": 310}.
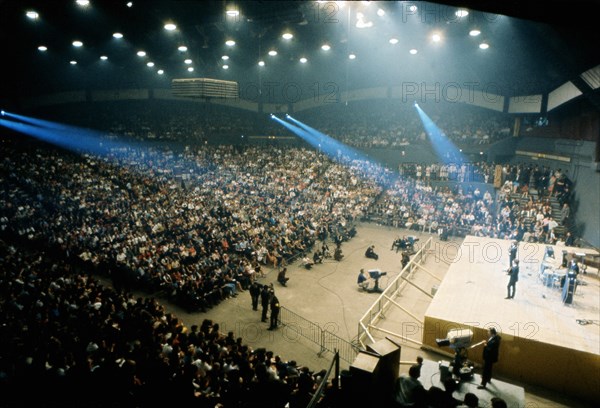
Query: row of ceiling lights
{"x": 287, "y": 36}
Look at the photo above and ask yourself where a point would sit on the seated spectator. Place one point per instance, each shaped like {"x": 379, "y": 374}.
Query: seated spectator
{"x": 470, "y": 401}
{"x": 307, "y": 262}
{"x": 498, "y": 402}
{"x": 281, "y": 278}
{"x": 337, "y": 254}
{"x": 317, "y": 257}
{"x": 370, "y": 253}
{"x": 409, "y": 392}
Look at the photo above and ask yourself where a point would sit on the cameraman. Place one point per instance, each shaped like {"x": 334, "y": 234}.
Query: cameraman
{"x": 363, "y": 280}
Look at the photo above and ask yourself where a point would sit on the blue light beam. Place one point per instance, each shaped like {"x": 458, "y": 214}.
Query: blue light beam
{"x": 443, "y": 146}
{"x": 68, "y": 137}
{"x": 297, "y": 131}
{"x": 328, "y": 144}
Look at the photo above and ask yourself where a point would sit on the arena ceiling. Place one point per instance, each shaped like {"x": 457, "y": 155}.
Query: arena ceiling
{"x": 534, "y": 46}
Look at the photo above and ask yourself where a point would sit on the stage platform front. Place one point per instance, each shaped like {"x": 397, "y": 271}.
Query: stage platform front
{"x": 544, "y": 341}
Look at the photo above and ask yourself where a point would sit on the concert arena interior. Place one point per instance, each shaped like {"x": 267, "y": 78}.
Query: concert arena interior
{"x": 299, "y": 203}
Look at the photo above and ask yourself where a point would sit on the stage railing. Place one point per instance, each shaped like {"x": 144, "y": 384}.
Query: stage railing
{"x": 326, "y": 340}
{"x": 334, "y": 367}
{"x": 378, "y": 308}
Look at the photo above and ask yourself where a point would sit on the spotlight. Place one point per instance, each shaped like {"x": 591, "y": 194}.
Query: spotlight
{"x": 416, "y": 104}
{"x": 1, "y": 113}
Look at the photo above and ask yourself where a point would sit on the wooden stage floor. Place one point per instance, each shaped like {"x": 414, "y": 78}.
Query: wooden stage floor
{"x": 543, "y": 340}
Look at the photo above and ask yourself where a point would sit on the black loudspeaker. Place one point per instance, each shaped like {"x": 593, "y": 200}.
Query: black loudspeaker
{"x": 389, "y": 363}
{"x": 377, "y": 370}
{"x": 564, "y": 259}
{"x": 364, "y": 372}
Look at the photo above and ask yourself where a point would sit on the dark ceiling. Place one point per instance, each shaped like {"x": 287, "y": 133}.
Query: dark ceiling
{"x": 539, "y": 47}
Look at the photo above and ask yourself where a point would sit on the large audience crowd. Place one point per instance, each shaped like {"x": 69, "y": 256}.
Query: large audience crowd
{"x": 364, "y": 124}
{"x": 67, "y": 340}
{"x": 462, "y": 208}
{"x": 394, "y": 125}
{"x": 187, "y": 223}
{"x": 198, "y": 223}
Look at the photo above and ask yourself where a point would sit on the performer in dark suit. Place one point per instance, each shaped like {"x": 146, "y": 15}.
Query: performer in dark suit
{"x": 490, "y": 356}
{"x": 512, "y": 282}
{"x": 574, "y": 268}
{"x": 512, "y": 253}
{"x": 570, "y": 283}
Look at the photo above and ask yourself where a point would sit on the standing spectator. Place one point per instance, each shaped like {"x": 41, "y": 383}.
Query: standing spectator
{"x": 255, "y": 294}
{"x": 405, "y": 259}
{"x": 564, "y": 213}
{"x": 274, "y": 311}
{"x": 265, "y": 296}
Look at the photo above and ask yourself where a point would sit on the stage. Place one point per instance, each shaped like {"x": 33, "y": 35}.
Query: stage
{"x": 544, "y": 341}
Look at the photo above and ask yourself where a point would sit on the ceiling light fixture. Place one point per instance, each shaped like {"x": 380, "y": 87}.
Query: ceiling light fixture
{"x": 32, "y": 15}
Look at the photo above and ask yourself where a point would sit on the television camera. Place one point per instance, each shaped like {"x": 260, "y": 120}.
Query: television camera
{"x": 460, "y": 341}
{"x": 375, "y": 274}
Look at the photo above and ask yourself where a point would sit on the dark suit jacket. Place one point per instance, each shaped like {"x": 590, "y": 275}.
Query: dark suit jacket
{"x": 490, "y": 350}
{"x": 514, "y": 274}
